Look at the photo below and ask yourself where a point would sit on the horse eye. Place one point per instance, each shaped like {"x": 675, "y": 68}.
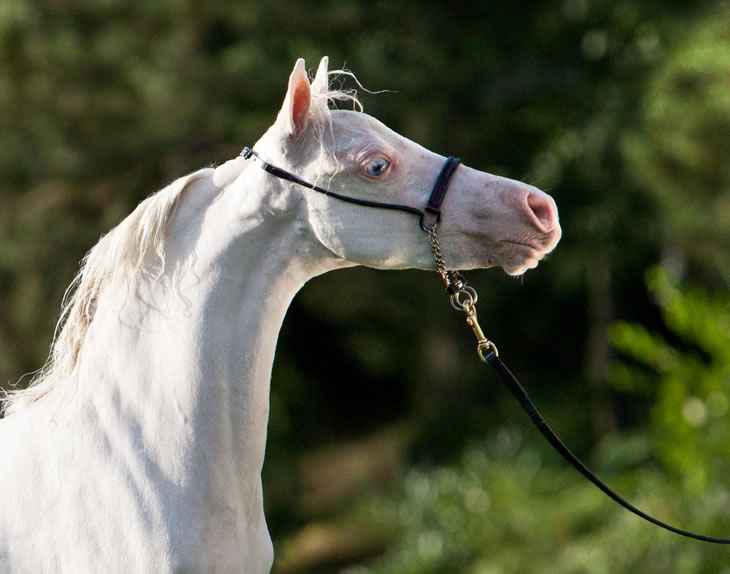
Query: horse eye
{"x": 377, "y": 167}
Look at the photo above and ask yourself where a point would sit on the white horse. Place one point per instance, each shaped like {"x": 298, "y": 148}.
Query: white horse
{"x": 139, "y": 447}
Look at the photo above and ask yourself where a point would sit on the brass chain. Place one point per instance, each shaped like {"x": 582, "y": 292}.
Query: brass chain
{"x": 453, "y": 279}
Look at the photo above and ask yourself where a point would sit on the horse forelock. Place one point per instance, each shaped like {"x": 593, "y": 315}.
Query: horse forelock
{"x": 328, "y": 93}
{"x": 133, "y": 248}
{"x": 329, "y": 90}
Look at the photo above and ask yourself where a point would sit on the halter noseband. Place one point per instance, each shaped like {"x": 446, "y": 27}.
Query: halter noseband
{"x": 433, "y": 207}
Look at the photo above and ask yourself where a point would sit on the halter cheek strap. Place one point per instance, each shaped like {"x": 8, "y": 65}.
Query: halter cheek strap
{"x": 429, "y": 217}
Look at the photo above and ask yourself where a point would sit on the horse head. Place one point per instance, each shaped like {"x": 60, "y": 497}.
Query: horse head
{"x": 487, "y": 220}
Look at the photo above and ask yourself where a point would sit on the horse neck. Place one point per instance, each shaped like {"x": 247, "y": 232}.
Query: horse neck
{"x": 182, "y": 364}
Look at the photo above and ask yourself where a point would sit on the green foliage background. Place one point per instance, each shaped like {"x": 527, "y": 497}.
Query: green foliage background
{"x": 621, "y": 109}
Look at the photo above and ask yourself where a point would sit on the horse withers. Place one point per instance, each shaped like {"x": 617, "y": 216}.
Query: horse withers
{"x": 139, "y": 446}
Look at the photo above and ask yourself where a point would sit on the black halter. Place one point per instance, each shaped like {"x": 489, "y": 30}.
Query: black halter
{"x": 429, "y": 217}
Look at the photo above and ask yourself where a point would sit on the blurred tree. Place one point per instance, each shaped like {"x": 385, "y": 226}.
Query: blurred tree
{"x": 680, "y": 146}
{"x": 690, "y": 379}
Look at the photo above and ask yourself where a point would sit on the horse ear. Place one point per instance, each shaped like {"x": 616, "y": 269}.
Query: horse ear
{"x": 320, "y": 85}
{"x": 294, "y": 113}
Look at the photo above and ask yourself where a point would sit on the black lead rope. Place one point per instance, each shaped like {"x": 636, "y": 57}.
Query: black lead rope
{"x": 464, "y": 298}
{"x": 519, "y": 392}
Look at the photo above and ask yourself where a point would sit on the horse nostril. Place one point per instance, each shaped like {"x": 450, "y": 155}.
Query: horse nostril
{"x": 542, "y": 211}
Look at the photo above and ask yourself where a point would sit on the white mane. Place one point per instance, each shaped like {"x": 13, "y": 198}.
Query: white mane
{"x": 135, "y": 247}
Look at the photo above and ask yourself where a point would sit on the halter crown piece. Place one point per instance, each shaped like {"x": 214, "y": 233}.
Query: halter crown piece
{"x": 464, "y": 298}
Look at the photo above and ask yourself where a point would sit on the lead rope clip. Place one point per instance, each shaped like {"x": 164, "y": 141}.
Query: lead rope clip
{"x": 463, "y": 297}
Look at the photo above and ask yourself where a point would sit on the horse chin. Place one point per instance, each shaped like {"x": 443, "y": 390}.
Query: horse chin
{"x": 519, "y": 270}
{"x": 514, "y": 259}
{"x": 519, "y": 265}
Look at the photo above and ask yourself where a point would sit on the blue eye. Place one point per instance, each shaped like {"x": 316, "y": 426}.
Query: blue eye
{"x": 377, "y": 167}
